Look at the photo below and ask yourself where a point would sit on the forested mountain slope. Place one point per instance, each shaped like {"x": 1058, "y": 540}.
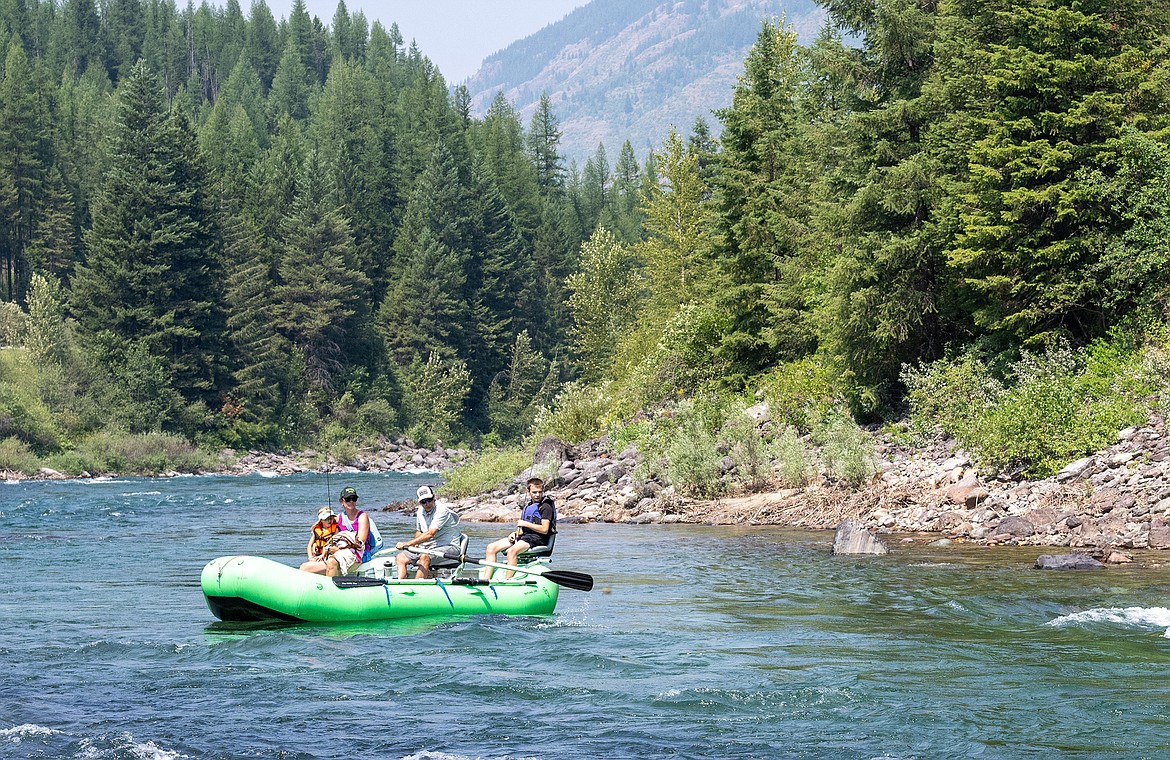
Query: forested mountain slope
{"x": 629, "y": 69}
{"x": 256, "y": 232}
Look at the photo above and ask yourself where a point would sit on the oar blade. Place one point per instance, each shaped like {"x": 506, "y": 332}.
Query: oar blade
{"x": 570, "y": 579}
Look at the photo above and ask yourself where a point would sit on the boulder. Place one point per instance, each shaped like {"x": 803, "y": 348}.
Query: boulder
{"x": 551, "y": 448}
{"x": 1066, "y": 562}
{"x": 1074, "y": 469}
{"x": 1015, "y": 526}
{"x": 854, "y": 538}
{"x": 1159, "y": 533}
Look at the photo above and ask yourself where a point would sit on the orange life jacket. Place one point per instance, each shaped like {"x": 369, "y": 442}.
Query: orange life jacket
{"x": 321, "y": 536}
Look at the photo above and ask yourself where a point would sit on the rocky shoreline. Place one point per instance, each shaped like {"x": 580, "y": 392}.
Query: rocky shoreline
{"x": 1118, "y": 498}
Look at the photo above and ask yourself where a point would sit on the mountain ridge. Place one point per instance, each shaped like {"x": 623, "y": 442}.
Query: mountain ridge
{"x": 630, "y": 69}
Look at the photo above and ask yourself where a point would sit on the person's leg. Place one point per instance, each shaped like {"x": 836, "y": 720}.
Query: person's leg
{"x": 424, "y": 566}
{"x": 332, "y": 568}
{"x": 514, "y": 553}
{"x": 493, "y": 549}
{"x": 401, "y": 560}
{"x": 314, "y": 566}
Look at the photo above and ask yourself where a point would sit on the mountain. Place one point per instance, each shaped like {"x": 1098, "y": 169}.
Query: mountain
{"x": 629, "y": 69}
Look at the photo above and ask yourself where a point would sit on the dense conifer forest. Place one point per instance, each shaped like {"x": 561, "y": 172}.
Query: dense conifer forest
{"x": 244, "y": 231}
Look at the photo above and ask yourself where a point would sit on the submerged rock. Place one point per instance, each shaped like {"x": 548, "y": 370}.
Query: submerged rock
{"x": 854, "y": 538}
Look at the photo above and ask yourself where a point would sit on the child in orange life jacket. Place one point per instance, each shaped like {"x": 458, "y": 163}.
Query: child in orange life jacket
{"x": 323, "y": 531}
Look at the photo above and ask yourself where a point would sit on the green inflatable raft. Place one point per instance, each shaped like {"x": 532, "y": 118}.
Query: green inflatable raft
{"x": 244, "y": 588}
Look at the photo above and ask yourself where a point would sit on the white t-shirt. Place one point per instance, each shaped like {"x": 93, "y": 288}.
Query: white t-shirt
{"x": 443, "y": 520}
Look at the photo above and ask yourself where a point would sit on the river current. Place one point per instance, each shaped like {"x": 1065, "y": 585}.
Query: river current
{"x": 741, "y": 642}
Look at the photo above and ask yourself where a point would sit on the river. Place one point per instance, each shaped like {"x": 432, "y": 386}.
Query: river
{"x": 697, "y": 642}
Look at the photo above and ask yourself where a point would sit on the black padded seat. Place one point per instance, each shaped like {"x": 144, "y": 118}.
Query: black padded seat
{"x": 442, "y": 563}
{"x": 539, "y": 551}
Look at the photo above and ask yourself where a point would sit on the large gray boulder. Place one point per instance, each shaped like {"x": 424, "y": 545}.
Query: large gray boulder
{"x": 1066, "y": 562}
{"x": 551, "y": 449}
{"x": 854, "y": 538}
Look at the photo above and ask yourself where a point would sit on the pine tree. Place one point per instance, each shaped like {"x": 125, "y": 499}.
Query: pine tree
{"x": 52, "y": 251}
{"x": 679, "y": 246}
{"x": 354, "y": 150}
{"x": 291, "y": 87}
{"x": 81, "y": 36}
{"x": 263, "y": 367}
{"x": 764, "y": 207}
{"x": 883, "y": 261}
{"x": 262, "y": 44}
{"x": 1060, "y": 86}
{"x": 603, "y": 300}
{"x": 594, "y": 189}
{"x": 25, "y": 156}
{"x": 428, "y": 309}
{"x": 123, "y": 31}
{"x": 152, "y": 274}
{"x": 502, "y": 276}
{"x": 499, "y": 140}
{"x": 625, "y": 207}
{"x": 544, "y": 137}
{"x": 321, "y": 288}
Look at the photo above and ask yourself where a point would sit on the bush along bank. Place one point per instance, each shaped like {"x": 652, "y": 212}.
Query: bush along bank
{"x": 1117, "y": 498}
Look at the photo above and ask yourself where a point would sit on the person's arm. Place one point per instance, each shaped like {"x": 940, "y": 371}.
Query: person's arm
{"x": 309, "y": 547}
{"x": 420, "y": 538}
{"x": 363, "y": 529}
{"x": 542, "y": 527}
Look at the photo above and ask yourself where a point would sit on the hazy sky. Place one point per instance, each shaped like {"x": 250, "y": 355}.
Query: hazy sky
{"x": 456, "y": 34}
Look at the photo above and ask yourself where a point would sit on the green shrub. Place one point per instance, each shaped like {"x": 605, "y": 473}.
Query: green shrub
{"x": 133, "y": 454}
{"x": 23, "y": 414}
{"x": 801, "y": 393}
{"x": 752, "y": 462}
{"x": 13, "y": 321}
{"x": 577, "y": 414}
{"x": 683, "y": 361}
{"x": 692, "y": 463}
{"x": 621, "y": 435}
{"x": 793, "y": 463}
{"x": 489, "y": 470}
{"x": 433, "y": 393}
{"x": 377, "y": 417}
{"x": 950, "y": 394}
{"x": 1061, "y": 405}
{"x": 344, "y": 452}
{"x": 16, "y": 456}
{"x": 1052, "y": 406}
{"x": 846, "y": 450}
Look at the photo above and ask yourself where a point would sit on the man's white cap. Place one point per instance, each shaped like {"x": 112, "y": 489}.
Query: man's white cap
{"x": 425, "y": 492}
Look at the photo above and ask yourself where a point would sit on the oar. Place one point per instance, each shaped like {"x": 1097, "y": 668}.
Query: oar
{"x": 566, "y": 578}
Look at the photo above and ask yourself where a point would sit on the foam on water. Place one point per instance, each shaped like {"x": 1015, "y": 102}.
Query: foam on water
{"x": 15, "y": 734}
{"x": 124, "y": 745}
{"x": 1142, "y": 617}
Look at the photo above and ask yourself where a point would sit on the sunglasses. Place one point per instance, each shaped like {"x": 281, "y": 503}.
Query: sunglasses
{"x": 425, "y": 501}
{"x": 350, "y": 498}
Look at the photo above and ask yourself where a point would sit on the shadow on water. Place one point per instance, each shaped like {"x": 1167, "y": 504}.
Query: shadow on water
{"x": 220, "y": 630}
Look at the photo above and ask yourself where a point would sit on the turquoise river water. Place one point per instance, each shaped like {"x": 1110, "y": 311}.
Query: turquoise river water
{"x": 697, "y": 642}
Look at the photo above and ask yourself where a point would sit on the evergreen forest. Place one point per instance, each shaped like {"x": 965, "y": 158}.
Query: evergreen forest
{"x": 239, "y": 231}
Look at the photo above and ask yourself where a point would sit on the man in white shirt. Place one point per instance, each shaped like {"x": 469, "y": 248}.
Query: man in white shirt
{"x": 436, "y": 527}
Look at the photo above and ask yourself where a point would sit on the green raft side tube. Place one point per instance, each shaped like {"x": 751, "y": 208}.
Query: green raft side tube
{"x": 244, "y": 588}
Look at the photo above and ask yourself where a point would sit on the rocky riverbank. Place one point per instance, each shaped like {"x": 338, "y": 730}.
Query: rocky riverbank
{"x": 397, "y": 455}
{"x": 1119, "y": 498}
